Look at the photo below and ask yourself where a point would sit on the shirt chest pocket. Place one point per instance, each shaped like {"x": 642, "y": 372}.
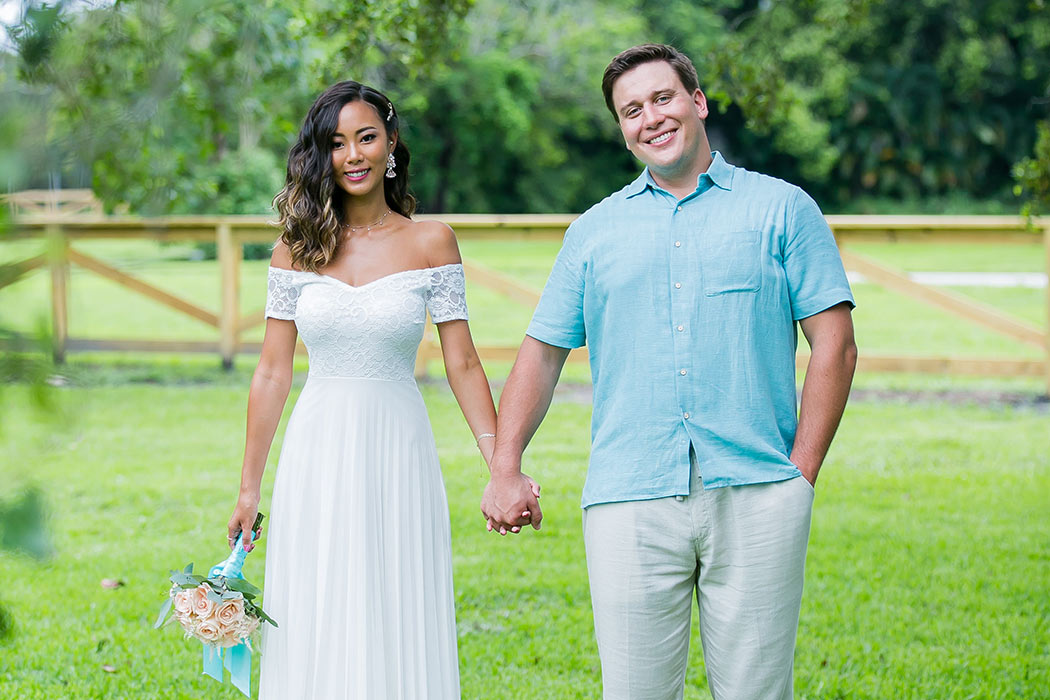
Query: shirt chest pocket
{"x": 731, "y": 262}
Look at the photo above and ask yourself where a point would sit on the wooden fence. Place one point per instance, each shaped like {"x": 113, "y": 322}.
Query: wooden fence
{"x": 63, "y": 232}
{"x": 52, "y": 202}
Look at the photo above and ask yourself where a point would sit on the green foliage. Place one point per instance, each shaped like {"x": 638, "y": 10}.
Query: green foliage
{"x": 26, "y": 355}
{"x": 25, "y": 154}
{"x": 898, "y": 100}
{"x": 241, "y": 182}
{"x": 178, "y": 116}
{"x": 159, "y": 105}
{"x": 7, "y": 624}
{"x": 371, "y": 38}
{"x": 22, "y": 517}
{"x": 22, "y": 525}
{"x": 1033, "y": 175}
{"x": 514, "y": 121}
{"x": 36, "y": 37}
{"x": 501, "y": 106}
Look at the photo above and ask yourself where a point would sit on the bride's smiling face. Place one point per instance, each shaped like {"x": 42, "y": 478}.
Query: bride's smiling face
{"x": 360, "y": 147}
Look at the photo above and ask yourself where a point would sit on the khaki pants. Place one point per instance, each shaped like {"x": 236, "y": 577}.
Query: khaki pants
{"x": 742, "y": 549}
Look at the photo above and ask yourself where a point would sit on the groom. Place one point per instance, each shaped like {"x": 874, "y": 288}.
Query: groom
{"x": 687, "y": 286}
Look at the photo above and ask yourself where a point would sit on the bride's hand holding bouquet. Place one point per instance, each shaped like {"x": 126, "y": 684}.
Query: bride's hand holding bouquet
{"x": 220, "y": 610}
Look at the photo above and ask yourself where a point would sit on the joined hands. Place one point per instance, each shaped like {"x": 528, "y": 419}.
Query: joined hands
{"x": 509, "y": 503}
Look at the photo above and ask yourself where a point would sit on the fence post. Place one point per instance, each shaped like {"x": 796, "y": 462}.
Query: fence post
{"x": 229, "y": 253}
{"x": 58, "y": 262}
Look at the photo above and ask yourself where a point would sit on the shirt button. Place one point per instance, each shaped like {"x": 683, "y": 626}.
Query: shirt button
{"x": 685, "y": 415}
{"x": 677, "y": 244}
{"x": 681, "y": 328}
{"x": 678, "y": 208}
{"x": 677, "y": 285}
{"x": 682, "y": 372}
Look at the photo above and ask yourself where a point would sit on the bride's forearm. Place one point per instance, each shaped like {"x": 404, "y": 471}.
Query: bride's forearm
{"x": 472, "y": 392}
{"x": 469, "y": 384}
{"x": 266, "y": 400}
{"x": 471, "y": 389}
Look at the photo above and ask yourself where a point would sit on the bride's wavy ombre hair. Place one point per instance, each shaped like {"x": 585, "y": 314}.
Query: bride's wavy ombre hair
{"x": 309, "y": 208}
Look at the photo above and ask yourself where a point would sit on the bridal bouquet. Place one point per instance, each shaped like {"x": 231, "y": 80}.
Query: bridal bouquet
{"x": 219, "y": 610}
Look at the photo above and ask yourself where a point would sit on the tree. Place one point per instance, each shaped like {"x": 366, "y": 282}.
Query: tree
{"x": 501, "y": 100}
{"x": 1033, "y": 175}
{"x": 898, "y": 100}
{"x": 177, "y": 116}
{"x": 514, "y": 121}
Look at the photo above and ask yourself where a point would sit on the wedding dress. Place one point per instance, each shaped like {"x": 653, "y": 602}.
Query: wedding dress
{"x": 358, "y": 553}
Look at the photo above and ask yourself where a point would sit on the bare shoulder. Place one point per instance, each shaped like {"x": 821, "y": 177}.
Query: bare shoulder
{"x": 281, "y": 257}
{"x": 437, "y": 242}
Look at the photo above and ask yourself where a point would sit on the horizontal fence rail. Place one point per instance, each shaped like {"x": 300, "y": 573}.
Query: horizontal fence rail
{"x": 230, "y": 233}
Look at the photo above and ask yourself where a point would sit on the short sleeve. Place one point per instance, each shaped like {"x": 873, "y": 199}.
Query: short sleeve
{"x": 447, "y": 300}
{"x": 815, "y": 276}
{"x": 558, "y": 319}
{"x": 282, "y": 293}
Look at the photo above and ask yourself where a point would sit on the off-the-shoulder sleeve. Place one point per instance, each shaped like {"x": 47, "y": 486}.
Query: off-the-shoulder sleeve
{"x": 282, "y": 293}
{"x": 447, "y": 300}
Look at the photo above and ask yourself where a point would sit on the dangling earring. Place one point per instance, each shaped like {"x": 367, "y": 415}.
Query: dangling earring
{"x": 390, "y": 166}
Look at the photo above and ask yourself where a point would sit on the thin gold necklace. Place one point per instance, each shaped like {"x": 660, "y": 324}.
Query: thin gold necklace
{"x": 368, "y": 227}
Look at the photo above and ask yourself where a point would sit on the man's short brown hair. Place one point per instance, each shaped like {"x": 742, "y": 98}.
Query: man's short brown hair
{"x": 647, "y": 53}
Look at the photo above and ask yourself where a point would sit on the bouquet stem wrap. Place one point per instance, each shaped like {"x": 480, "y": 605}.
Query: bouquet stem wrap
{"x": 236, "y": 659}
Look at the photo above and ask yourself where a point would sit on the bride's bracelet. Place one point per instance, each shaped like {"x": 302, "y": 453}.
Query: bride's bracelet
{"x": 482, "y": 437}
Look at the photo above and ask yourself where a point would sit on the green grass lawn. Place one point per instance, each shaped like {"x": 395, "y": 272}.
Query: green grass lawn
{"x": 929, "y": 563}
{"x": 967, "y": 257}
{"x": 927, "y": 577}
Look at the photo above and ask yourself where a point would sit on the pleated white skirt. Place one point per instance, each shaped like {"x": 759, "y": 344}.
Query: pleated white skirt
{"x": 358, "y": 556}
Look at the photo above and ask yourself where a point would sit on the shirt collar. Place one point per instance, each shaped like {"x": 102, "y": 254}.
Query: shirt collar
{"x": 719, "y": 172}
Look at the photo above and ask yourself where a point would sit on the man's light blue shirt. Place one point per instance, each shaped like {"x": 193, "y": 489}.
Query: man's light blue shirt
{"x": 688, "y": 309}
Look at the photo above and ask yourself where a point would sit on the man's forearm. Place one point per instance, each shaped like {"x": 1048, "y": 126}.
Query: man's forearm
{"x": 526, "y": 397}
{"x": 824, "y": 394}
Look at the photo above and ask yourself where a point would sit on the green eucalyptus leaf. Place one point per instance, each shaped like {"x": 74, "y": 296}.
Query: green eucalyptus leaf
{"x": 243, "y": 586}
{"x": 183, "y": 579}
{"x": 263, "y": 616}
{"x": 165, "y": 608}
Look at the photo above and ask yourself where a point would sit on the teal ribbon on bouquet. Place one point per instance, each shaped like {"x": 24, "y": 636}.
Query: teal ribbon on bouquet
{"x": 236, "y": 659}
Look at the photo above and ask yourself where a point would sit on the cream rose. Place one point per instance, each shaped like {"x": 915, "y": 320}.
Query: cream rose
{"x": 188, "y": 622}
{"x": 183, "y": 602}
{"x": 202, "y": 604}
{"x": 230, "y": 612}
{"x": 231, "y": 636}
{"x": 208, "y": 631}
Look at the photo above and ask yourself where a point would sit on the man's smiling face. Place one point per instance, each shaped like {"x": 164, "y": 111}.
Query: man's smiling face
{"x": 661, "y": 122}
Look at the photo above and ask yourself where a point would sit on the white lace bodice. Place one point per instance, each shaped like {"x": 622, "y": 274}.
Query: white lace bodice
{"x": 370, "y": 331}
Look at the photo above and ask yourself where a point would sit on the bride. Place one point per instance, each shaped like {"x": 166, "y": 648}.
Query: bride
{"x": 358, "y": 561}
